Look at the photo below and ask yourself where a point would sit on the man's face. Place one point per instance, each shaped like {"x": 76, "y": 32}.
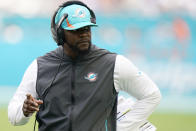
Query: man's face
{"x": 79, "y": 39}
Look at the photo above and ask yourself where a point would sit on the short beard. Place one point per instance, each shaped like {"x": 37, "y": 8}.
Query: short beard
{"x": 76, "y": 49}
{"x": 82, "y": 52}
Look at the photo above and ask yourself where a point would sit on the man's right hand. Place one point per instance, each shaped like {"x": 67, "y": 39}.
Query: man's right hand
{"x": 31, "y": 105}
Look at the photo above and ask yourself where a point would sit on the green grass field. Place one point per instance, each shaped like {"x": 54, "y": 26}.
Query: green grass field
{"x": 164, "y": 122}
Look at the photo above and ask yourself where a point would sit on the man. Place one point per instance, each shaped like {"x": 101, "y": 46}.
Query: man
{"x": 75, "y": 87}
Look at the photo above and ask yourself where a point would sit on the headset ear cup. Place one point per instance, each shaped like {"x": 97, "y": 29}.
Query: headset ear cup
{"x": 53, "y": 28}
{"x": 54, "y": 35}
{"x": 60, "y": 34}
{"x": 60, "y": 30}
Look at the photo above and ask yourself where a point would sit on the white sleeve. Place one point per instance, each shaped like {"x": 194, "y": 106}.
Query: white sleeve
{"x": 130, "y": 79}
{"x": 27, "y": 86}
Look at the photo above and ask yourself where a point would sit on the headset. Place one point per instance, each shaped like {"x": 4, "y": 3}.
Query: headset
{"x": 57, "y": 30}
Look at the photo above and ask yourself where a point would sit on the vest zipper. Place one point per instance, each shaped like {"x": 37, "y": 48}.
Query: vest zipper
{"x": 72, "y": 94}
{"x": 106, "y": 125}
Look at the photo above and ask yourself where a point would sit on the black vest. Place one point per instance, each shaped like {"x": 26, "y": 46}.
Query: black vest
{"x": 79, "y": 94}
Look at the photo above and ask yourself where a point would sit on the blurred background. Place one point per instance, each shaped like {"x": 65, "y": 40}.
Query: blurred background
{"x": 158, "y": 36}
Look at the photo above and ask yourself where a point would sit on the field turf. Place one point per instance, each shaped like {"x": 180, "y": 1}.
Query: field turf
{"x": 163, "y": 121}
